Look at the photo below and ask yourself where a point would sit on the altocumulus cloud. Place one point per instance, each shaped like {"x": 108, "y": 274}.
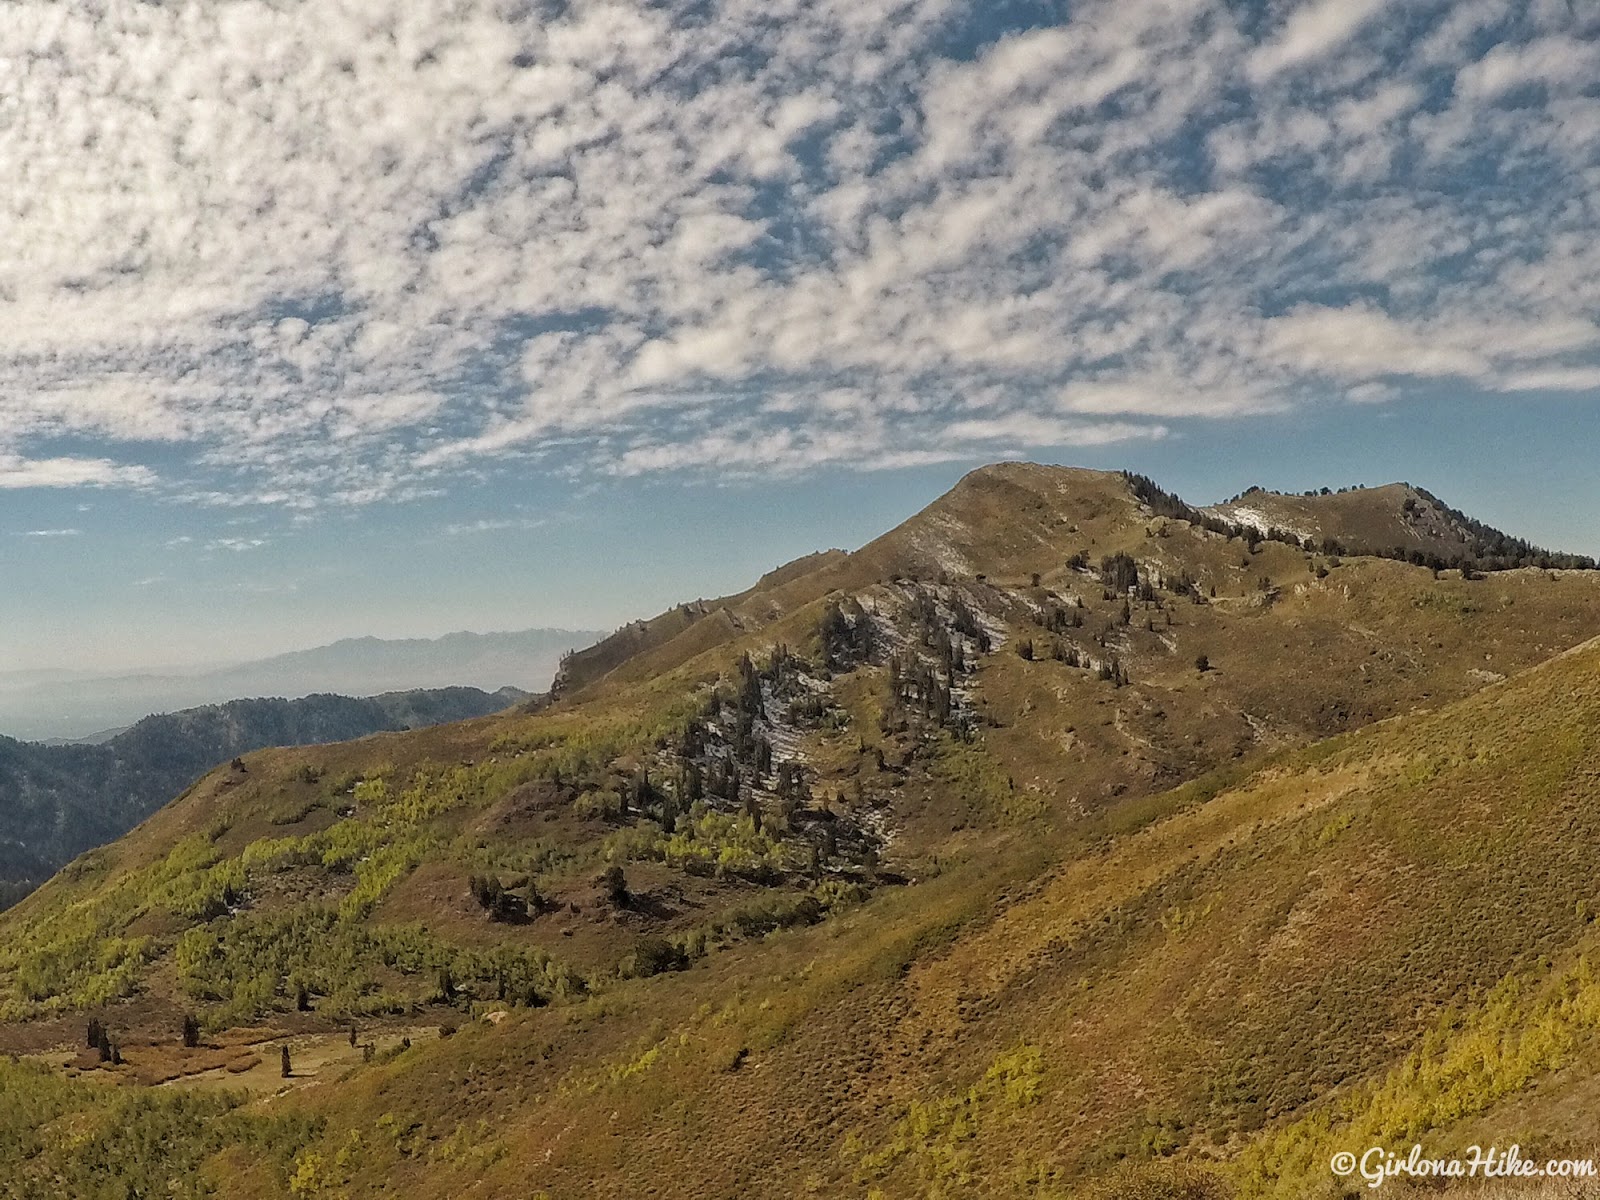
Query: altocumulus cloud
{"x": 311, "y": 254}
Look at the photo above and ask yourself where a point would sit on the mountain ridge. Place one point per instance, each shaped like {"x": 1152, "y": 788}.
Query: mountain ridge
{"x": 1397, "y": 520}
{"x": 1053, "y": 843}
{"x": 955, "y": 535}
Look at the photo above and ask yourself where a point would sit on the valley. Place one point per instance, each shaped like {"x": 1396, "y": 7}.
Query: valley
{"x": 59, "y": 800}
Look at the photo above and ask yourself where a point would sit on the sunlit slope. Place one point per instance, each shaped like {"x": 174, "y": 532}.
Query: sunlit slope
{"x": 1395, "y": 519}
{"x": 1381, "y": 938}
{"x": 1006, "y": 520}
{"x": 757, "y": 605}
{"x": 1010, "y": 522}
{"x": 881, "y": 882}
{"x": 1078, "y": 689}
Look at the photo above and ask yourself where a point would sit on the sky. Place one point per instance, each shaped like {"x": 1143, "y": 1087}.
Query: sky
{"x": 327, "y": 319}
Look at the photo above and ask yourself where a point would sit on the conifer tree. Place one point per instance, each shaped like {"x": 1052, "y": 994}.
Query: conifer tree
{"x": 615, "y": 885}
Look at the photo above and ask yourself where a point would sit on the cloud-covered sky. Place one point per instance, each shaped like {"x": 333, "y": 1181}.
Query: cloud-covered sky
{"x": 299, "y": 259}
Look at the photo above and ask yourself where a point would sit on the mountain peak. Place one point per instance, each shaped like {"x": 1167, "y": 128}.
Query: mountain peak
{"x": 1393, "y": 519}
{"x": 1014, "y": 520}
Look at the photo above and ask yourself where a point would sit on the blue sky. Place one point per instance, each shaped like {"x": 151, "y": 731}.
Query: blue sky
{"x": 337, "y": 319}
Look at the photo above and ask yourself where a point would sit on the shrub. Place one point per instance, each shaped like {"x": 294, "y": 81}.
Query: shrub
{"x": 653, "y": 955}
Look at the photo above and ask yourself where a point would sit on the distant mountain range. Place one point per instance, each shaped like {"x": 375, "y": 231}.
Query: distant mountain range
{"x": 68, "y": 706}
{"x": 57, "y": 801}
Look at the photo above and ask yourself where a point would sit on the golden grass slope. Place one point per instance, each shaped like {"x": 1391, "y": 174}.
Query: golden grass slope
{"x": 1380, "y": 939}
{"x": 1071, "y": 958}
{"x": 1299, "y": 647}
{"x": 1394, "y": 516}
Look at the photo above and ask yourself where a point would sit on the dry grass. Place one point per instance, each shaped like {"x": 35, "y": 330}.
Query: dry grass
{"x": 1097, "y": 964}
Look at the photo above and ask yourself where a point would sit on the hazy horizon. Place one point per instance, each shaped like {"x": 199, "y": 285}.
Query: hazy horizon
{"x": 197, "y": 666}
{"x": 77, "y": 705}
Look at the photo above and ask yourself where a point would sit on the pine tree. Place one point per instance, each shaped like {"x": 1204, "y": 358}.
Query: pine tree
{"x": 191, "y": 1031}
{"x": 285, "y": 1069}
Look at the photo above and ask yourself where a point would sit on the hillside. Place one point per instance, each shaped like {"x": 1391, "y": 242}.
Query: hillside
{"x": 1396, "y": 520}
{"x": 57, "y": 801}
{"x": 636, "y": 639}
{"x": 1381, "y": 939}
{"x": 1053, "y": 830}
{"x": 65, "y": 707}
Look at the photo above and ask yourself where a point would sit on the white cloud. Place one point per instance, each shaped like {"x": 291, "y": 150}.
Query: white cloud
{"x": 1032, "y": 430}
{"x": 1312, "y": 31}
{"x": 19, "y": 472}
{"x": 235, "y": 545}
{"x": 1551, "y": 62}
{"x": 1551, "y": 379}
{"x": 1360, "y": 342}
{"x": 1166, "y": 396}
{"x": 340, "y": 254}
{"x": 49, "y": 533}
{"x": 492, "y": 525}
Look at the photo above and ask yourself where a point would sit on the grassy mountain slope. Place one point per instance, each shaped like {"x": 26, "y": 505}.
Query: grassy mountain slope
{"x": 56, "y": 801}
{"x": 757, "y": 605}
{"x": 888, "y": 874}
{"x": 1395, "y": 519}
{"x": 1370, "y": 941}
{"x": 1379, "y": 938}
{"x": 1009, "y": 519}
